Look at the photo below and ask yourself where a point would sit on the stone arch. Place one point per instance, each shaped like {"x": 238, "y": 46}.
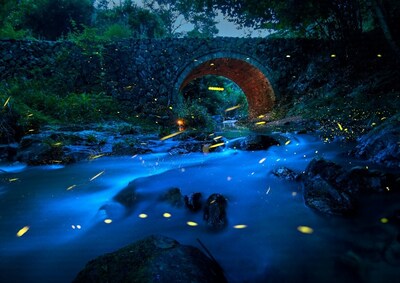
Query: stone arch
{"x": 245, "y": 71}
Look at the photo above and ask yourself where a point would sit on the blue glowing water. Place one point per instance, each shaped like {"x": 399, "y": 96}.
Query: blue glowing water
{"x": 67, "y": 228}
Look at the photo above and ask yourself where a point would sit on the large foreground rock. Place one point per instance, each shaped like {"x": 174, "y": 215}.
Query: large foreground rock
{"x": 382, "y": 144}
{"x": 153, "y": 259}
{"x": 331, "y": 189}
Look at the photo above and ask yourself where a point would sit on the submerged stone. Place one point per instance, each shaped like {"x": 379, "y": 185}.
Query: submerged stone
{"x": 153, "y": 259}
{"x": 193, "y": 201}
{"x": 215, "y": 212}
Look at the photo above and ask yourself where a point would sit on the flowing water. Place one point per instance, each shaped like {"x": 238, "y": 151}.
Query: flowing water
{"x": 67, "y": 228}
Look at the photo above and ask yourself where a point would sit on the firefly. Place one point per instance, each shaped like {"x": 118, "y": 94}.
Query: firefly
{"x": 333, "y": 55}
{"x": 167, "y": 215}
{"x": 305, "y": 229}
{"x": 96, "y": 156}
{"x": 289, "y": 141}
{"x": 98, "y": 175}
{"x": 384, "y": 220}
{"x": 233, "y": 108}
{"x": 216, "y": 145}
{"x": 22, "y": 231}
{"x": 8, "y": 100}
{"x": 108, "y": 221}
{"x": 215, "y": 88}
{"x": 240, "y": 226}
{"x": 191, "y": 223}
{"x": 171, "y": 136}
{"x": 262, "y": 160}
{"x": 340, "y": 126}
{"x": 13, "y": 179}
{"x": 143, "y": 215}
{"x": 71, "y": 187}
{"x": 261, "y": 123}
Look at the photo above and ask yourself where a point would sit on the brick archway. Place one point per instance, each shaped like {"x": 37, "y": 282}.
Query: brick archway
{"x": 253, "y": 82}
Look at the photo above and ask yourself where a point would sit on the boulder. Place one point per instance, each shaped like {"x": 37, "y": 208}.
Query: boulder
{"x": 381, "y": 145}
{"x": 253, "y": 142}
{"x": 331, "y": 189}
{"x": 286, "y": 174}
{"x": 215, "y": 212}
{"x": 322, "y": 190}
{"x": 193, "y": 201}
{"x": 173, "y": 196}
{"x": 153, "y": 259}
{"x": 128, "y": 196}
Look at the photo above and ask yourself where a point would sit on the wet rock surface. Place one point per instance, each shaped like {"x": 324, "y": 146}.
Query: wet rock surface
{"x": 382, "y": 145}
{"x": 153, "y": 259}
{"x": 286, "y": 174}
{"x": 173, "y": 196}
{"x": 254, "y": 142}
{"x": 193, "y": 201}
{"x": 331, "y": 189}
{"x": 215, "y": 212}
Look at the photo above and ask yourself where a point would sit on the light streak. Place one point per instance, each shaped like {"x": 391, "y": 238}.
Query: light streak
{"x": 98, "y": 175}
{"x": 22, "y": 231}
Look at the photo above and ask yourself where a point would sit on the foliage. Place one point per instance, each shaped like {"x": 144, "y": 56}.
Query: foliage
{"x": 196, "y": 116}
{"x": 216, "y": 102}
{"x": 8, "y": 31}
{"x": 51, "y": 19}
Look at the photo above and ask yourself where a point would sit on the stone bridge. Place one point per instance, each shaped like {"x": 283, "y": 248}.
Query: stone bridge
{"x": 149, "y": 73}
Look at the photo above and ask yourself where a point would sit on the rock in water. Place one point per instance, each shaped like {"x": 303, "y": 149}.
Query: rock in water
{"x": 321, "y": 190}
{"x": 173, "y": 196}
{"x": 153, "y": 259}
{"x": 127, "y": 196}
{"x": 215, "y": 212}
{"x": 193, "y": 201}
{"x": 286, "y": 174}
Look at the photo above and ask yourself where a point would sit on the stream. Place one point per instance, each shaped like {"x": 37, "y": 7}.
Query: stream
{"x": 61, "y": 208}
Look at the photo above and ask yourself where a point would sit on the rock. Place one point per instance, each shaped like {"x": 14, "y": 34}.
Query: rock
{"x": 330, "y": 189}
{"x": 323, "y": 197}
{"x": 193, "y": 201}
{"x": 173, "y": 196}
{"x": 286, "y": 174}
{"x": 127, "y": 196}
{"x": 215, "y": 212}
{"x": 153, "y": 259}
{"x": 322, "y": 190}
{"x": 253, "y": 142}
{"x": 381, "y": 145}
{"x": 8, "y": 151}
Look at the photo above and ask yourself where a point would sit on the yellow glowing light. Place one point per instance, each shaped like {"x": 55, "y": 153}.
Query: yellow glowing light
{"x": 8, "y": 100}
{"x": 92, "y": 157}
{"x": 333, "y": 55}
{"x": 212, "y": 64}
{"x": 71, "y": 187}
{"x": 98, "y": 175}
{"x": 143, "y": 215}
{"x": 217, "y": 138}
{"x": 305, "y": 229}
{"x": 384, "y": 220}
{"x": 287, "y": 56}
{"x": 13, "y": 179}
{"x": 171, "y": 135}
{"x": 289, "y": 141}
{"x": 340, "y": 126}
{"x": 108, "y": 221}
{"x": 180, "y": 122}
{"x": 261, "y": 123}
{"x": 233, "y": 108}
{"x": 240, "y": 226}
{"x": 57, "y": 144}
{"x": 261, "y": 116}
{"x": 30, "y": 115}
{"x": 167, "y": 215}
{"x": 216, "y": 88}
{"x": 262, "y": 160}
{"x": 379, "y": 55}
{"x": 22, "y": 231}
{"x": 216, "y": 145}
{"x": 31, "y": 130}
{"x": 192, "y": 223}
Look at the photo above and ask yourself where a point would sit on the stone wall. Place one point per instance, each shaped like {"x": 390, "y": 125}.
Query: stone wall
{"x": 148, "y": 73}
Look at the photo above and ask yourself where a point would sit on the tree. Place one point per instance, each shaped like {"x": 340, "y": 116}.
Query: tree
{"x": 176, "y": 14}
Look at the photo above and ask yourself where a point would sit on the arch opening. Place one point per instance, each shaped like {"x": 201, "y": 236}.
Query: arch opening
{"x": 250, "y": 79}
